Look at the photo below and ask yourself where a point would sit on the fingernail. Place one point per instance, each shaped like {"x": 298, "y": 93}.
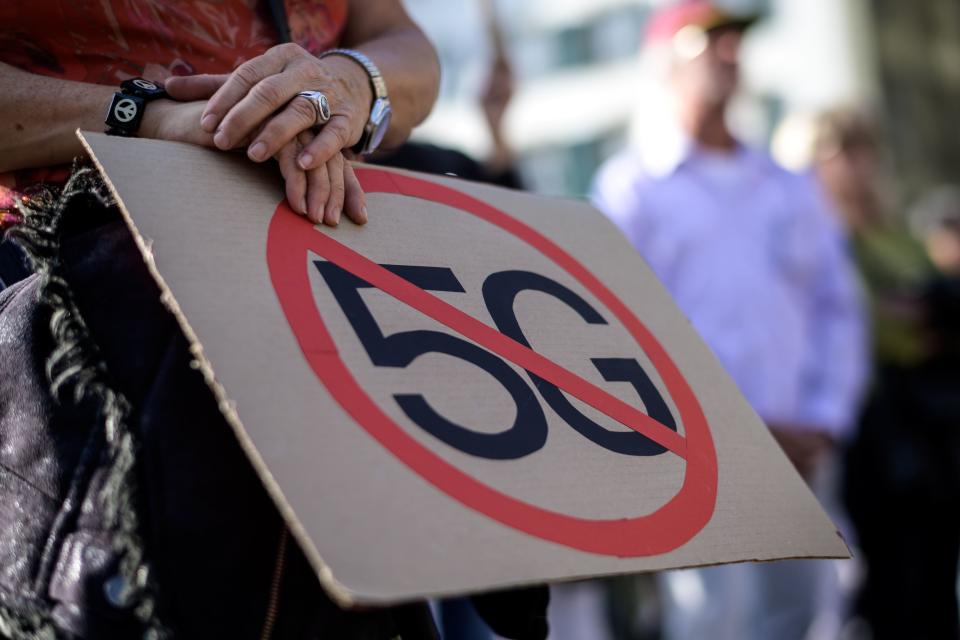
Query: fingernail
{"x": 305, "y": 161}
{"x": 208, "y": 122}
{"x": 336, "y": 217}
{"x": 303, "y": 206}
{"x": 221, "y": 140}
{"x": 363, "y": 210}
{"x": 257, "y": 151}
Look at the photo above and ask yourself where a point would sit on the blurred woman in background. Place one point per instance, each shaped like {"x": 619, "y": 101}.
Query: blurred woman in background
{"x": 902, "y": 479}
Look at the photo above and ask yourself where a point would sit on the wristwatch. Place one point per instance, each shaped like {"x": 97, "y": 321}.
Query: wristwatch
{"x": 380, "y": 111}
{"x": 126, "y": 109}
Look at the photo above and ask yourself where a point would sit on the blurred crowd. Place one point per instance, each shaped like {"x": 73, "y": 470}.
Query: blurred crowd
{"x": 834, "y": 307}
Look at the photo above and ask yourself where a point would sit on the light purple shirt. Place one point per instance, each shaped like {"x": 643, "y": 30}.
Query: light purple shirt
{"x": 753, "y": 256}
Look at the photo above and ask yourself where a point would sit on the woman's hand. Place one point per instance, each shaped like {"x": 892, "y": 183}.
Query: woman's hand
{"x": 321, "y": 193}
{"x": 257, "y": 106}
{"x": 261, "y": 94}
{"x": 176, "y": 121}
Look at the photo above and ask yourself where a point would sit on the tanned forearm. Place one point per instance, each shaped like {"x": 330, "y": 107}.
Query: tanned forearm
{"x": 382, "y": 30}
{"x": 38, "y": 117}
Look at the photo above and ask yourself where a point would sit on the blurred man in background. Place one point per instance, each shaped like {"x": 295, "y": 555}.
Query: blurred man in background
{"x": 752, "y": 255}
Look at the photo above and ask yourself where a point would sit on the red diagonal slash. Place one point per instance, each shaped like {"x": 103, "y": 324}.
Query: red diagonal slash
{"x": 291, "y": 239}
{"x": 491, "y": 339}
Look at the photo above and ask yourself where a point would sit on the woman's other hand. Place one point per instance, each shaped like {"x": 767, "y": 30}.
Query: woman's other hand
{"x": 257, "y": 106}
{"x": 258, "y": 102}
{"x": 324, "y": 192}
{"x": 176, "y": 121}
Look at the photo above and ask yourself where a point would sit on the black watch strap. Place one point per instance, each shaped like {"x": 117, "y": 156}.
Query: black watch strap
{"x": 127, "y": 107}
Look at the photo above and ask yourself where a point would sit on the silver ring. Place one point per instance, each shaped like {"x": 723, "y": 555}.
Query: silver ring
{"x": 321, "y": 106}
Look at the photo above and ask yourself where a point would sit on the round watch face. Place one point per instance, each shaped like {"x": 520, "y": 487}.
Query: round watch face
{"x": 380, "y": 118}
{"x": 380, "y": 131}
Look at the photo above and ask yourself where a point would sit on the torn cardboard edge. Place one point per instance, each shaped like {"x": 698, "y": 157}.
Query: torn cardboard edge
{"x": 336, "y": 590}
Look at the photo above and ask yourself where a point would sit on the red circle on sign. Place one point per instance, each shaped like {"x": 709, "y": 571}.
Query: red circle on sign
{"x": 291, "y": 237}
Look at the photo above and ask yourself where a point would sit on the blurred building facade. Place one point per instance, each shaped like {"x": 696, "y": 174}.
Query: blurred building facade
{"x": 581, "y": 86}
{"x": 918, "y": 58}
{"x": 573, "y": 60}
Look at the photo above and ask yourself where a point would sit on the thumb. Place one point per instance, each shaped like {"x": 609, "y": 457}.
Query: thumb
{"x": 198, "y": 87}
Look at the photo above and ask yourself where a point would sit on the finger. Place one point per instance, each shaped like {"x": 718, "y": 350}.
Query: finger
{"x": 318, "y": 192}
{"x": 350, "y": 155}
{"x": 354, "y": 200}
{"x": 263, "y": 99}
{"x": 295, "y": 181}
{"x": 331, "y": 214}
{"x": 298, "y": 116}
{"x": 334, "y": 136}
{"x": 198, "y": 87}
{"x": 250, "y": 137}
{"x": 242, "y": 81}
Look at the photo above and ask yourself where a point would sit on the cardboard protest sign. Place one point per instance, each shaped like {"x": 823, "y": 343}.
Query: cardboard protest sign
{"x": 477, "y": 389}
